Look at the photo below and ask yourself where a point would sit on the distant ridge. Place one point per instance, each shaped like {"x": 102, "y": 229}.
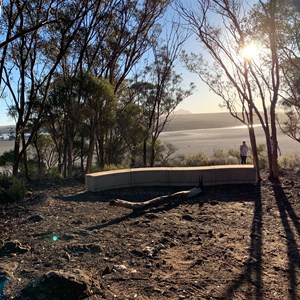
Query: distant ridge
{"x": 201, "y": 121}
{"x": 182, "y": 112}
{"x": 6, "y": 128}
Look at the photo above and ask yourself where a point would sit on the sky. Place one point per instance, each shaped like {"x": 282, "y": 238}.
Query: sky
{"x": 4, "y": 119}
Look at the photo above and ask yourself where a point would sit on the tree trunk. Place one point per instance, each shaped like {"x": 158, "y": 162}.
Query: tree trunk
{"x": 70, "y": 159}
{"x": 152, "y": 154}
{"x": 254, "y": 151}
{"x": 17, "y": 150}
{"x": 145, "y": 153}
{"x": 89, "y": 161}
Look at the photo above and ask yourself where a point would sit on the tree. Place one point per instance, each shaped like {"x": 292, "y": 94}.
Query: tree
{"x": 248, "y": 85}
{"x": 27, "y": 69}
{"x": 105, "y": 38}
{"x": 115, "y": 36}
{"x": 159, "y": 91}
{"x": 15, "y": 11}
{"x": 290, "y": 45}
{"x": 290, "y": 125}
{"x": 99, "y": 105}
{"x": 131, "y": 129}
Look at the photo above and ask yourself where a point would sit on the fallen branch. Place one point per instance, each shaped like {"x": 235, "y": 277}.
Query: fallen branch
{"x": 182, "y": 195}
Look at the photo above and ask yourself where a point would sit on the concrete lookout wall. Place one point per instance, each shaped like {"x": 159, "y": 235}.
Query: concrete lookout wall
{"x": 171, "y": 176}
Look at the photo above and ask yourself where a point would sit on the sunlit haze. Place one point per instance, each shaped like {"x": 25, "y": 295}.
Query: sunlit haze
{"x": 250, "y": 50}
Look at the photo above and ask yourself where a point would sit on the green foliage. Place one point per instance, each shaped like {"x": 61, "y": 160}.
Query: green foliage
{"x": 11, "y": 189}
{"x": 165, "y": 154}
{"x": 233, "y": 156}
{"x": 110, "y": 167}
{"x": 289, "y": 161}
{"x": 197, "y": 159}
{"x": 220, "y": 157}
{"x": 55, "y": 174}
{"x": 6, "y": 160}
{"x": 262, "y": 156}
{"x": 45, "y": 154}
{"x": 36, "y": 170}
{"x": 113, "y": 167}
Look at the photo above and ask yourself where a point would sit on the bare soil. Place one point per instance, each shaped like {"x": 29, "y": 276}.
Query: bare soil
{"x": 230, "y": 242}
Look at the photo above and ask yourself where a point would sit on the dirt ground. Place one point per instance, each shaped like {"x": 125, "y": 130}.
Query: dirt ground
{"x": 230, "y": 242}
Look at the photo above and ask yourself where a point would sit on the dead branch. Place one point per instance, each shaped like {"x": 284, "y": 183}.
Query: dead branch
{"x": 178, "y": 196}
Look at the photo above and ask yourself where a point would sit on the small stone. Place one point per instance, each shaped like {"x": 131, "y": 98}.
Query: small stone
{"x": 13, "y": 247}
{"x": 136, "y": 252}
{"x": 36, "y": 218}
{"x": 119, "y": 268}
{"x": 106, "y": 271}
{"x": 187, "y": 217}
{"x": 151, "y": 216}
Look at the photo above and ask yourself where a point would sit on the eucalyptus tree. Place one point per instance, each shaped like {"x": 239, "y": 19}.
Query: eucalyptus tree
{"x": 290, "y": 125}
{"x": 130, "y": 130}
{"x": 27, "y": 67}
{"x": 118, "y": 36}
{"x": 99, "y": 107}
{"x": 244, "y": 67}
{"x": 158, "y": 93}
{"x": 15, "y": 11}
{"x": 290, "y": 45}
{"x": 113, "y": 37}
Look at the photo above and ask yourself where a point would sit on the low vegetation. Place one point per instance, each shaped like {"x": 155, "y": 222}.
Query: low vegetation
{"x": 13, "y": 189}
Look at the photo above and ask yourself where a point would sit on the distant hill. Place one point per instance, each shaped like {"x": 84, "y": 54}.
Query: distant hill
{"x": 200, "y": 121}
{"x": 6, "y": 129}
{"x": 182, "y": 112}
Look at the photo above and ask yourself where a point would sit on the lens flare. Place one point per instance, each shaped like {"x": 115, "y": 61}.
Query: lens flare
{"x": 251, "y": 50}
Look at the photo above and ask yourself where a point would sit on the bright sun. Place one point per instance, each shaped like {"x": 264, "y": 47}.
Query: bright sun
{"x": 250, "y": 51}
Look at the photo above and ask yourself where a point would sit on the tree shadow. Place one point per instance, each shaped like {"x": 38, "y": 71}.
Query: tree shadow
{"x": 214, "y": 194}
{"x": 287, "y": 212}
{"x": 253, "y": 267}
{"x": 229, "y": 193}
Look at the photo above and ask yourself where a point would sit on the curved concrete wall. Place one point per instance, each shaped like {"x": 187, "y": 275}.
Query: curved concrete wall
{"x": 171, "y": 176}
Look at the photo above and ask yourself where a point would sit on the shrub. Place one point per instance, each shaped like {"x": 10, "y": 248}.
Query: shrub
{"x": 219, "y": 157}
{"x": 7, "y": 160}
{"x": 113, "y": 167}
{"x": 197, "y": 159}
{"x": 289, "y": 161}
{"x": 11, "y": 189}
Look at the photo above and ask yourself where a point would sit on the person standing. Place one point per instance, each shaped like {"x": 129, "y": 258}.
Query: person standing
{"x": 243, "y": 152}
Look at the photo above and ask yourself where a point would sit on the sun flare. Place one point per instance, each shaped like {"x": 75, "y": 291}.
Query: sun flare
{"x": 250, "y": 51}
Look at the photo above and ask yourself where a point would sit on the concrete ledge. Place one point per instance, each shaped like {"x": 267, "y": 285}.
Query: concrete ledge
{"x": 175, "y": 176}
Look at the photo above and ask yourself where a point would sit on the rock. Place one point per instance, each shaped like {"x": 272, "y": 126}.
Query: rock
{"x": 7, "y": 269}
{"x": 36, "y": 218}
{"x": 149, "y": 251}
{"x": 136, "y": 252}
{"x": 151, "y": 216}
{"x": 77, "y": 222}
{"x": 84, "y": 248}
{"x": 119, "y": 268}
{"x": 13, "y": 247}
{"x": 187, "y": 217}
{"x": 106, "y": 271}
{"x": 69, "y": 236}
{"x": 58, "y": 285}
